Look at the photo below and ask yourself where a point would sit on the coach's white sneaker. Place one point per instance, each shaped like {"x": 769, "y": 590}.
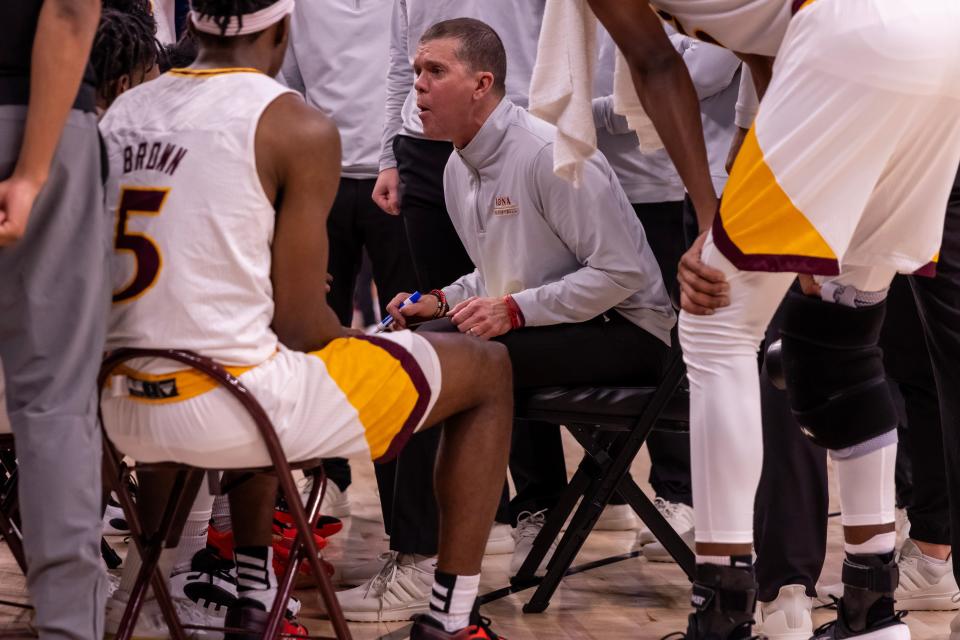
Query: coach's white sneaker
{"x": 679, "y": 515}
{"x": 902, "y": 526}
{"x": 617, "y": 517}
{"x": 528, "y": 527}
{"x": 925, "y": 584}
{"x": 151, "y": 625}
{"x": 788, "y": 617}
{"x": 400, "y": 590}
{"x": 500, "y": 541}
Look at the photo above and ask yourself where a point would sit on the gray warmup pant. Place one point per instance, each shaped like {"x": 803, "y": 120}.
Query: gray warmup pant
{"x": 54, "y": 299}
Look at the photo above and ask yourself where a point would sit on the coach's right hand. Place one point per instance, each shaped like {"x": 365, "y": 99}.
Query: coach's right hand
{"x": 386, "y": 191}
{"x": 423, "y": 309}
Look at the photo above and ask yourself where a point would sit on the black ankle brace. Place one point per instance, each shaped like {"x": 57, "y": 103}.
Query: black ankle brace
{"x": 869, "y": 581}
{"x": 724, "y": 598}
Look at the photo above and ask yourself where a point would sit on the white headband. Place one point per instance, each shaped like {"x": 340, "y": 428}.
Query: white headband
{"x": 252, "y": 22}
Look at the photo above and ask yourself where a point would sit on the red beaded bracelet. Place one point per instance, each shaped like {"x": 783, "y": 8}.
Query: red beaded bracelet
{"x": 516, "y": 313}
{"x": 442, "y": 306}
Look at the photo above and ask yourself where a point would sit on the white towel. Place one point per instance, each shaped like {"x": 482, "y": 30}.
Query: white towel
{"x": 562, "y": 84}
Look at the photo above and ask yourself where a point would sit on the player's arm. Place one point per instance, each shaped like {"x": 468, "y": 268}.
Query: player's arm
{"x": 61, "y": 47}
{"x": 298, "y": 158}
{"x": 666, "y": 92}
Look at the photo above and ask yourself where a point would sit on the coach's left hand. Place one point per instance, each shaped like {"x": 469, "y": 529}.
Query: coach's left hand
{"x": 702, "y": 288}
{"x": 481, "y": 317}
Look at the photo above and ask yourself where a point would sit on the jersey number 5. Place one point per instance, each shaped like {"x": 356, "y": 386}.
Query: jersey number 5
{"x": 146, "y": 202}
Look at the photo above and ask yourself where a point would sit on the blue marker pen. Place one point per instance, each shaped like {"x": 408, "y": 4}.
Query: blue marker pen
{"x": 386, "y": 322}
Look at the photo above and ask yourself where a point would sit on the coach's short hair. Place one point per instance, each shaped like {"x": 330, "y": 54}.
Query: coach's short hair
{"x": 480, "y": 47}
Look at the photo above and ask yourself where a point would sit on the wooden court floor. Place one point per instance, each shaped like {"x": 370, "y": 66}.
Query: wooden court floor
{"x": 632, "y": 598}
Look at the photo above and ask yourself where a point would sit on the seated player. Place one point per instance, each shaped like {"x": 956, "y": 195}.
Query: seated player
{"x": 844, "y": 176}
{"x": 564, "y": 276}
{"x": 221, "y": 180}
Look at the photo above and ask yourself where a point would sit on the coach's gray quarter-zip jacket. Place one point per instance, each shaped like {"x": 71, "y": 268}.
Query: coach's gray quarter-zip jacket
{"x": 566, "y": 254}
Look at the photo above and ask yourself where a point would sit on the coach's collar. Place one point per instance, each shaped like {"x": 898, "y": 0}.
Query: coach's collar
{"x": 482, "y": 150}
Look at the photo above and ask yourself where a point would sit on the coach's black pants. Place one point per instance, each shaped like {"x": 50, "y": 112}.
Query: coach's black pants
{"x": 666, "y": 227}
{"x": 357, "y": 223}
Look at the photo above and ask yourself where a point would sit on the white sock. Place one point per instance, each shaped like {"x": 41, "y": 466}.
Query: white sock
{"x": 221, "y": 514}
{"x": 452, "y": 599}
{"x": 877, "y": 545}
{"x": 194, "y": 536}
{"x": 255, "y": 577}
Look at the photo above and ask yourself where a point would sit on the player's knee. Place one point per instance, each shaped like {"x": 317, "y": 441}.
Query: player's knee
{"x": 834, "y": 371}
{"x": 495, "y": 368}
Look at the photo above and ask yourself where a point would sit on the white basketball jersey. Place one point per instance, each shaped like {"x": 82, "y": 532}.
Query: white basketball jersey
{"x": 193, "y": 227}
{"x": 745, "y": 26}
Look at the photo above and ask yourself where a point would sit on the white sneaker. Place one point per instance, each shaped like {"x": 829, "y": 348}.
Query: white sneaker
{"x": 500, "y": 541}
{"x": 151, "y": 625}
{"x": 528, "y": 527}
{"x": 925, "y": 584}
{"x": 209, "y": 583}
{"x": 788, "y": 617}
{"x": 114, "y": 522}
{"x": 902, "y": 526}
{"x": 617, "y": 517}
{"x": 400, "y": 590}
{"x": 335, "y": 502}
{"x": 679, "y": 515}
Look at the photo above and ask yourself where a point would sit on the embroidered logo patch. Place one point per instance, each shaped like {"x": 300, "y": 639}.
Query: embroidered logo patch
{"x": 504, "y": 207}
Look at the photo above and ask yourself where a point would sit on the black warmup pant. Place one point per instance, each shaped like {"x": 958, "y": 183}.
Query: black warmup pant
{"x": 357, "y": 223}
{"x": 665, "y": 225}
{"x": 938, "y": 301}
{"x": 790, "y": 510}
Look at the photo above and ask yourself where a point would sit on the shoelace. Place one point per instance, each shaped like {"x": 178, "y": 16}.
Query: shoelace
{"x": 529, "y": 524}
{"x": 664, "y": 507}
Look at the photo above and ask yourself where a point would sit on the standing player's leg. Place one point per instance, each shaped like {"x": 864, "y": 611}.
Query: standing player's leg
{"x": 51, "y": 367}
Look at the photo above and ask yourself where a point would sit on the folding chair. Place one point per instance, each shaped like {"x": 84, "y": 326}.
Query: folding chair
{"x": 611, "y": 424}
{"x": 185, "y": 488}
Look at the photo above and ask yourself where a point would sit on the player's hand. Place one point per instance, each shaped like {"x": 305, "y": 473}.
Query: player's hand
{"x": 739, "y": 135}
{"x": 386, "y": 191}
{"x": 808, "y": 285}
{"x": 17, "y": 196}
{"x": 702, "y": 288}
{"x": 423, "y": 309}
{"x": 482, "y": 317}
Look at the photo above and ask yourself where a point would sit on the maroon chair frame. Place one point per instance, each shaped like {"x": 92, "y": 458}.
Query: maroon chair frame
{"x": 185, "y": 488}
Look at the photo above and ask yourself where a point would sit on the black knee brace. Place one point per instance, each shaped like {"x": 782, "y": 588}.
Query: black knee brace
{"x": 834, "y": 371}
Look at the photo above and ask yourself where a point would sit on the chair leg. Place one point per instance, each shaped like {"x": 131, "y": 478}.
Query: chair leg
{"x": 285, "y": 586}
{"x": 9, "y": 530}
{"x": 552, "y": 527}
{"x": 305, "y": 537}
{"x": 658, "y": 525}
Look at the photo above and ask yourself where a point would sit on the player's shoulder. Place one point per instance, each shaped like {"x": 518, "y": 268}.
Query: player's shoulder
{"x": 292, "y": 121}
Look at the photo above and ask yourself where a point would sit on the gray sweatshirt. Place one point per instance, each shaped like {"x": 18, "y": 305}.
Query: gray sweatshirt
{"x": 565, "y": 254}
{"x": 516, "y": 22}
{"x": 337, "y": 59}
{"x": 651, "y": 177}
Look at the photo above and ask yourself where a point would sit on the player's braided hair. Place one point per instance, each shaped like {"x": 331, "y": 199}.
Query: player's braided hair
{"x": 222, "y": 11}
{"x": 125, "y": 43}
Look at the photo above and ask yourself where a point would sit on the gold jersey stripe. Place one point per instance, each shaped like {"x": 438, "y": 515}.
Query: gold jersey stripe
{"x": 377, "y": 386}
{"x": 759, "y": 217}
{"x": 212, "y": 72}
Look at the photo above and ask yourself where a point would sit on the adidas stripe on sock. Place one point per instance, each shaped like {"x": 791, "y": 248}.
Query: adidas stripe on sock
{"x": 255, "y": 578}
{"x": 452, "y": 599}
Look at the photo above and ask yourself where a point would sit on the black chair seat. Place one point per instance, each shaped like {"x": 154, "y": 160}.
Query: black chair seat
{"x": 613, "y": 408}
